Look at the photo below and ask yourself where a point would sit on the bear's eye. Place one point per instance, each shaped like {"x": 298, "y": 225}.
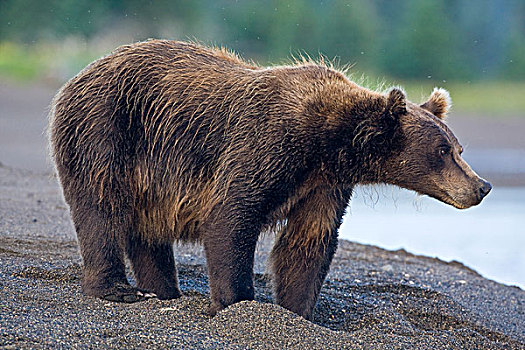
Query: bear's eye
{"x": 460, "y": 150}
{"x": 443, "y": 151}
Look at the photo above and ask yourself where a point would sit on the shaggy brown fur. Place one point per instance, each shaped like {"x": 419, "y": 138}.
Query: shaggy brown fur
{"x": 163, "y": 141}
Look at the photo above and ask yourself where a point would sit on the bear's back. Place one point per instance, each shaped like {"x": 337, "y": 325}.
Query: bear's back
{"x": 152, "y": 94}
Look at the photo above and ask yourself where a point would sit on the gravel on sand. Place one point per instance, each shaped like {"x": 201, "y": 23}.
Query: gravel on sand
{"x": 372, "y": 299}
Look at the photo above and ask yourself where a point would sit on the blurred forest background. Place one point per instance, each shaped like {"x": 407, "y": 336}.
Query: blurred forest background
{"x": 474, "y": 48}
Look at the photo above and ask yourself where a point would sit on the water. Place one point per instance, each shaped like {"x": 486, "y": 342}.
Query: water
{"x": 489, "y": 238}
{"x": 500, "y": 160}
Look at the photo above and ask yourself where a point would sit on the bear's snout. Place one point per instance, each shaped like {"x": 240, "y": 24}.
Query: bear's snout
{"x": 484, "y": 189}
{"x": 479, "y": 189}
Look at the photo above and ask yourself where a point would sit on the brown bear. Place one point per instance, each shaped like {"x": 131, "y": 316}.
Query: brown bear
{"x": 163, "y": 141}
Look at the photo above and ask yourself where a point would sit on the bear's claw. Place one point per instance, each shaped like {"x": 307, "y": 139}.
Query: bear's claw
{"x": 125, "y": 293}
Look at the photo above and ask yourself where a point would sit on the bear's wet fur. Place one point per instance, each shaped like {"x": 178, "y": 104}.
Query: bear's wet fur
{"x": 163, "y": 141}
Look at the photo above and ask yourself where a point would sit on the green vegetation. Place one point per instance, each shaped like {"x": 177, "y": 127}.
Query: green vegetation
{"x": 477, "y": 51}
{"x": 17, "y": 62}
{"x": 50, "y": 61}
{"x": 488, "y": 98}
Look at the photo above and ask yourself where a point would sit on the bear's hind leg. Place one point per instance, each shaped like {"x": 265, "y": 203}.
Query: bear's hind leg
{"x": 154, "y": 267}
{"x": 100, "y": 236}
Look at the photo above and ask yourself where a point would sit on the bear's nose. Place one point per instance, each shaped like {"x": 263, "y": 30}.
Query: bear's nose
{"x": 484, "y": 189}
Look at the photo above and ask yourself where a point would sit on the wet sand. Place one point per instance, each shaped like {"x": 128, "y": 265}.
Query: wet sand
{"x": 372, "y": 298}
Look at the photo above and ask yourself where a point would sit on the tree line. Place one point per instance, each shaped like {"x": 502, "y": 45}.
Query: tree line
{"x": 407, "y": 39}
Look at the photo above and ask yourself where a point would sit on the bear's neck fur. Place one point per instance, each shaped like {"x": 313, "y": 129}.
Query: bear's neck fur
{"x": 346, "y": 126}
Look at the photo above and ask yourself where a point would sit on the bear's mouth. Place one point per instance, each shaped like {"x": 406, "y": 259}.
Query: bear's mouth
{"x": 455, "y": 201}
{"x": 464, "y": 201}
{"x": 451, "y": 201}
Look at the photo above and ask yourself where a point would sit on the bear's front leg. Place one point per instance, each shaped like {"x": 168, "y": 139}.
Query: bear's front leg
{"x": 229, "y": 243}
{"x": 305, "y": 247}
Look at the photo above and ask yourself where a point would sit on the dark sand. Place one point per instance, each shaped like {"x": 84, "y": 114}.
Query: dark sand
{"x": 372, "y": 299}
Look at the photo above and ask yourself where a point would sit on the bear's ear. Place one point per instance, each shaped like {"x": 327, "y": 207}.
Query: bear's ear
{"x": 396, "y": 102}
{"x": 439, "y": 103}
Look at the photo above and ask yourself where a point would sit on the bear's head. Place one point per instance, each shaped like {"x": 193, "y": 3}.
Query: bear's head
{"x": 417, "y": 150}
